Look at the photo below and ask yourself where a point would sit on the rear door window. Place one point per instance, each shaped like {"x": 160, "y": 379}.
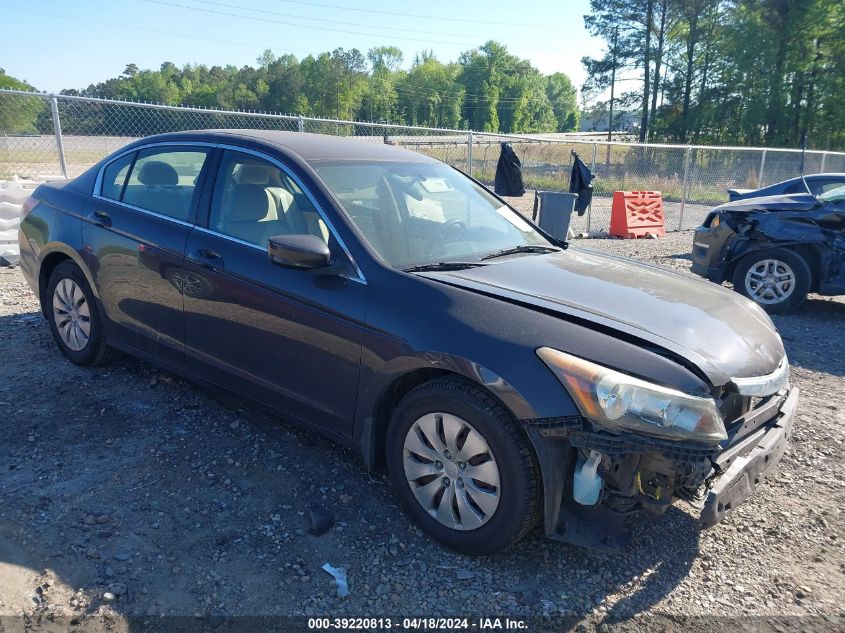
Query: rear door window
{"x": 164, "y": 180}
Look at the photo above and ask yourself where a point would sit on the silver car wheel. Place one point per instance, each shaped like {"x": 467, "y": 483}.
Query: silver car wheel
{"x": 71, "y": 314}
{"x": 451, "y": 471}
{"x": 770, "y": 281}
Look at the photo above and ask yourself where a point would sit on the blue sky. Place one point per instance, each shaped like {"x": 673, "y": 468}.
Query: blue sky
{"x": 56, "y": 44}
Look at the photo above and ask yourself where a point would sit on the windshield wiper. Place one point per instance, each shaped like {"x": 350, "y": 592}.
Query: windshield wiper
{"x": 525, "y": 248}
{"x": 442, "y": 266}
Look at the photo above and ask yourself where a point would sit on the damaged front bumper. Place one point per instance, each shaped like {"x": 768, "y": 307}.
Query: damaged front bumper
{"x": 745, "y": 463}
{"x": 639, "y": 472}
{"x": 709, "y": 252}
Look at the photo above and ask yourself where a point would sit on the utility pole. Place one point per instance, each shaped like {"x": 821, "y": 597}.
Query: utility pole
{"x": 613, "y": 52}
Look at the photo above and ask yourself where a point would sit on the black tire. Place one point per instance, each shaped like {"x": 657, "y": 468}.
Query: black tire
{"x": 803, "y": 278}
{"x": 95, "y": 351}
{"x": 520, "y": 493}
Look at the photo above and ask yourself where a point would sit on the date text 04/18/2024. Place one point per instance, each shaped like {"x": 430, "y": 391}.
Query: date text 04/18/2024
{"x": 424, "y": 624}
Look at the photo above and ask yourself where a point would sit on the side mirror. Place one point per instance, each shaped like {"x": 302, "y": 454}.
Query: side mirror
{"x": 298, "y": 251}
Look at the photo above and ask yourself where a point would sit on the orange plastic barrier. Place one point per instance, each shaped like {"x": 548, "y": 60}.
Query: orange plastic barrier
{"x": 637, "y": 214}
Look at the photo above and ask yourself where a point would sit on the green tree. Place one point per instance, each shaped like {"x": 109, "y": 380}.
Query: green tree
{"x": 503, "y": 93}
{"x": 725, "y": 71}
{"x": 564, "y": 101}
{"x": 380, "y": 100}
{"x": 286, "y": 85}
{"x": 626, "y": 26}
{"x": 430, "y": 94}
{"x": 19, "y": 115}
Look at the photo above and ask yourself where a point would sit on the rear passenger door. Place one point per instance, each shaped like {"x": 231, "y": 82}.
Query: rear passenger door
{"x": 138, "y": 222}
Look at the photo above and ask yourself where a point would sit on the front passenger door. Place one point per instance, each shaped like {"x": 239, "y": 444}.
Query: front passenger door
{"x": 288, "y": 338}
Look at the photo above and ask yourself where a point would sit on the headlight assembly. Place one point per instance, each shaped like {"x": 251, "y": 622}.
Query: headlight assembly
{"x": 621, "y": 402}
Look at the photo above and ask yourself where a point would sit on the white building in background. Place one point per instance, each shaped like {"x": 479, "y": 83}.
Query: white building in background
{"x": 596, "y": 121}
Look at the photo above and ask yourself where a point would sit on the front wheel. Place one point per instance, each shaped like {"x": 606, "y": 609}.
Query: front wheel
{"x": 778, "y": 280}
{"x": 462, "y": 468}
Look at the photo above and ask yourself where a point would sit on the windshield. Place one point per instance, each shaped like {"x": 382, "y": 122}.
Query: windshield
{"x": 834, "y": 195}
{"x": 416, "y": 214}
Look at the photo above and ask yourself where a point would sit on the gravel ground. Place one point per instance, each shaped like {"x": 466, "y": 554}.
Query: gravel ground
{"x": 127, "y": 492}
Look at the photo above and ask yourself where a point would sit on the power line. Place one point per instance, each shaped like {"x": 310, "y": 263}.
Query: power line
{"x": 142, "y": 29}
{"x": 477, "y": 101}
{"x": 420, "y": 16}
{"x": 380, "y": 34}
{"x": 246, "y": 17}
{"x": 458, "y": 94}
{"x": 302, "y": 17}
{"x": 304, "y": 26}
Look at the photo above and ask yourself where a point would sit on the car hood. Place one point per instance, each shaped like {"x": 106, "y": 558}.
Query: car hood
{"x": 793, "y": 202}
{"x": 722, "y": 333}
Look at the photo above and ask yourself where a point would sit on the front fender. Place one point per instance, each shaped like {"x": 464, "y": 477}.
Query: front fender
{"x": 439, "y": 362}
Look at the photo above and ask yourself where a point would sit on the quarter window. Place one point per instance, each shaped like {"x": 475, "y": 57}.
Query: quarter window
{"x": 254, "y": 200}
{"x": 114, "y": 177}
{"x": 163, "y": 180}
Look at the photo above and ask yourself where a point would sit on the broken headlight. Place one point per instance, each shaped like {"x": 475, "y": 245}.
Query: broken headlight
{"x": 621, "y": 402}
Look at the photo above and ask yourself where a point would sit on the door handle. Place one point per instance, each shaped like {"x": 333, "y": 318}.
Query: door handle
{"x": 207, "y": 258}
{"x": 101, "y": 218}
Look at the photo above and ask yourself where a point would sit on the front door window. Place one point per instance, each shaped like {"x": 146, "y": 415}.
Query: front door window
{"x": 254, "y": 200}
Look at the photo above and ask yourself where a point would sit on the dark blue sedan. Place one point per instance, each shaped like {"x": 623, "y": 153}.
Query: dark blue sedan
{"x": 818, "y": 184}
{"x": 384, "y": 299}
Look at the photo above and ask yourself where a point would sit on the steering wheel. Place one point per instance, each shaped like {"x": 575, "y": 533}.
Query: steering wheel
{"x": 453, "y": 230}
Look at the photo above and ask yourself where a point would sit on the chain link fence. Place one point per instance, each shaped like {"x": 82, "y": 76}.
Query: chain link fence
{"x": 46, "y": 136}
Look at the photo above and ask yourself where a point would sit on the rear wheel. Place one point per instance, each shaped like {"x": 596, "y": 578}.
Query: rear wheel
{"x": 778, "y": 279}
{"x": 74, "y": 318}
{"x": 462, "y": 468}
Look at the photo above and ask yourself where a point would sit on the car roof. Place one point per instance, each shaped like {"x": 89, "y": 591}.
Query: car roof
{"x": 308, "y": 147}
{"x": 831, "y": 176}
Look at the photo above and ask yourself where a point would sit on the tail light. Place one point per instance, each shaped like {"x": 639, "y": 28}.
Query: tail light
{"x": 28, "y": 205}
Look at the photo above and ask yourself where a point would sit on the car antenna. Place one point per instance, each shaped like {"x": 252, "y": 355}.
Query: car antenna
{"x": 803, "y": 152}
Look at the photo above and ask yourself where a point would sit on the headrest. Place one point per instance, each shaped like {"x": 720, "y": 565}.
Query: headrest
{"x": 247, "y": 203}
{"x": 156, "y": 172}
{"x": 254, "y": 174}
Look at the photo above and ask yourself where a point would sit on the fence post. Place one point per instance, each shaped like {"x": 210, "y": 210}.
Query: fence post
{"x": 762, "y": 167}
{"x": 824, "y": 159}
{"x": 57, "y": 128}
{"x": 300, "y": 124}
{"x": 469, "y": 153}
{"x": 687, "y": 154}
{"x": 590, "y": 206}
